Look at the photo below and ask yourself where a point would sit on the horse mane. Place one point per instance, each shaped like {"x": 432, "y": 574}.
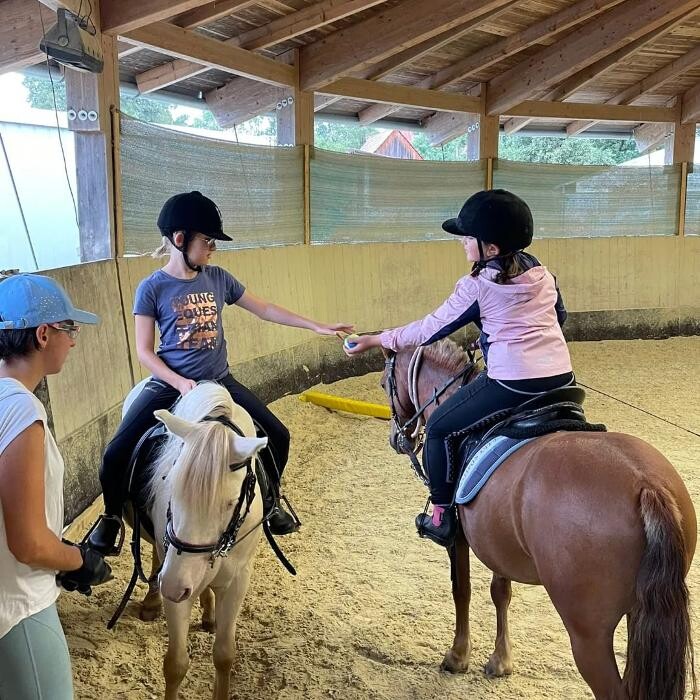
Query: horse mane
{"x": 447, "y": 355}
{"x": 196, "y": 469}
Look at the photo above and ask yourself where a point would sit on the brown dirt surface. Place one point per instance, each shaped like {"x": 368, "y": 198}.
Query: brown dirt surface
{"x": 369, "y": 615}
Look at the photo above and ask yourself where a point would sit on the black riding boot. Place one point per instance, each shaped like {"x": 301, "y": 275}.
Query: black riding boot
{"x": 104, "y": 537}
{"x": 440, "y": 527}
{"x": 281, "y": 522}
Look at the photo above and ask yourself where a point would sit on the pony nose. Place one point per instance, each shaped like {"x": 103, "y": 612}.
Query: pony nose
{"x": 176, "y": 595}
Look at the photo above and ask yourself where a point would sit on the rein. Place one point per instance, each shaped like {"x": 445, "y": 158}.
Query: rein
{"x": 220, "y": 548}
{"x": 228, "y": 538}
{"x": 402, "y": 430}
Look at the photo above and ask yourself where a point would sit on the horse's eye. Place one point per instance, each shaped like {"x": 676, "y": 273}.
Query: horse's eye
{"x": 229, "y": 504}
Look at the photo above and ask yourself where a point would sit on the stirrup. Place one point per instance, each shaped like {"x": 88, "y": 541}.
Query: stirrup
{"x": 443, "y": 534}
{"x": 291, "y": 519}
{"x": 107, "y": 550}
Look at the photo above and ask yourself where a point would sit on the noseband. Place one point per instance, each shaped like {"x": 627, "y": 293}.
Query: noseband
{"x": 228, "y": 538}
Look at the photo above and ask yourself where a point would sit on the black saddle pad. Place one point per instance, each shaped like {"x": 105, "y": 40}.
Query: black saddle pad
{"x": 520, "y": 426}
{"x": 140, "y": 471}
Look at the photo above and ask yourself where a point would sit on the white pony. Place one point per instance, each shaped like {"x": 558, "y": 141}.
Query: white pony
{"x": 206, "y": 522}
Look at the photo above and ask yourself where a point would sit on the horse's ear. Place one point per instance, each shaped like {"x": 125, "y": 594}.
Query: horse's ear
{"x": 244, "y": 447}
{"x": 176, "y": 425}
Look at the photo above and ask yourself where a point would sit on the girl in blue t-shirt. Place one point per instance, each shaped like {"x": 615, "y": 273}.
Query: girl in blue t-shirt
{"x": 185, "y": 300}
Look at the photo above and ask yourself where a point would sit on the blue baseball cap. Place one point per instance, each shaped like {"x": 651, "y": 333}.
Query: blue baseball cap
{"x": 27, "y": 301}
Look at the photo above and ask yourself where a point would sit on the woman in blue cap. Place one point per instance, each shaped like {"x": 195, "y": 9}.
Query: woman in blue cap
{"x": 38, "y": 328}
{"x": 185, "y": 300}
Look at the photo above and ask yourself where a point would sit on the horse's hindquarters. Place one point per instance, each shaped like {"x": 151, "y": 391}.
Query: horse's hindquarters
{"x": 567, "y": 504}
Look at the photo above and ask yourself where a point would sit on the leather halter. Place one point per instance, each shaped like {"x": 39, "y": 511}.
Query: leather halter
{"x": 228, "y": 538}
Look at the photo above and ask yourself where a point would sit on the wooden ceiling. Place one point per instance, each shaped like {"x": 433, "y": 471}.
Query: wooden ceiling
{"x": 505, "y": 55}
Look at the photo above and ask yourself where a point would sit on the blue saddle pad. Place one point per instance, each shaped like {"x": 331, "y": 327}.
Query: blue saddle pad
{"x": 483, "y": 463}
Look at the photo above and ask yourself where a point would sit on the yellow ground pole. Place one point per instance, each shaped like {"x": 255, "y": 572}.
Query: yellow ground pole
{"x": 336, "y": 403}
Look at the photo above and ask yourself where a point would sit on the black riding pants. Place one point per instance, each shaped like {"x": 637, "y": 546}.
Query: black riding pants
{"x": 139, "y": 418}
{"x": 470, "y": 403}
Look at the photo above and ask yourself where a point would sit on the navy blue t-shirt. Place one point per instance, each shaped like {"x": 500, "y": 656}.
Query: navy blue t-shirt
{"x": 188, "y": 314}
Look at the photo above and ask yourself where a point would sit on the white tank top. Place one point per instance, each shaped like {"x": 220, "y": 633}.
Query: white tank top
{"x": 25, "y": 591}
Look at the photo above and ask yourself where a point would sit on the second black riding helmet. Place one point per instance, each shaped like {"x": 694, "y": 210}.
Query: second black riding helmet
{"x": 494, "y": 216}
{"x": 191, "y": 212}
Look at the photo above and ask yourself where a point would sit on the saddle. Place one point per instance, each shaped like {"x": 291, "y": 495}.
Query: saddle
{"x": 485, "y": 445}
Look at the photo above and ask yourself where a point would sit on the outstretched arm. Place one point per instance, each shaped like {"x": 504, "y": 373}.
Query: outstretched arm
{"x": 278, "y": 314}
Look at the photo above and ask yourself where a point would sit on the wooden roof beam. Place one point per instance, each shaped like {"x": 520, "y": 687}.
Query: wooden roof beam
{"x": 587, "y": 75}
{"x": 242, "y": 99}
{"x": 376, "y": 112}
{"x": 305, "y": 20}
{"x": 21, "y": 32}
{"x": 690, "y": 105}
{"x": 122, "y": 16}
{"x": 210, "y": 13}
{"x": 644, "y": 86}
{"x": 446, "y": 126}
{"x": 648, "y": 136}
{"x": 374, "y": 91}
{"x": 387, "y": 32}
{"x": 542, "y": 109}
{"x": 188, "y": 45}
{"x": 510, "y": 45}
{"x": 594, "y": 40}
{"x": 286, "y": 27}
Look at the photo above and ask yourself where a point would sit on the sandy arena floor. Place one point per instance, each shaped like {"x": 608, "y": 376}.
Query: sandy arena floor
{"x": 369, "y": 614}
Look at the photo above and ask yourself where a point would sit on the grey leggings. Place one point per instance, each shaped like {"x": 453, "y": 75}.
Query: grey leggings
{"x": 34, "y": 660}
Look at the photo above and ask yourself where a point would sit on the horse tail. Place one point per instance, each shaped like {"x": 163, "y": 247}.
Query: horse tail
{"x": 660, "y": 649}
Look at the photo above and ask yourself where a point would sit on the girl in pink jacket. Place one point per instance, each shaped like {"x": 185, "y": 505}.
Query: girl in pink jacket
{"x": 515, "y": 303}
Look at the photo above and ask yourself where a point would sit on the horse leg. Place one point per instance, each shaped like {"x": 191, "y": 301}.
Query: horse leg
{"x": 456, "y": 659}
{"x": 500, "y": 662}
{"x": 228, "y": 605}
{"x": 595, "y": 659}
{"x": 177, "y": 660}
{"x": 153, "y": 602}
{"x": 206, "y": 600}
{"x": 590, "y": 618}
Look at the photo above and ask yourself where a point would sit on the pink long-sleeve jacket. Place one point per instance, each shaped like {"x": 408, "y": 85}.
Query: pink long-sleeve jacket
{"x": 521, "y": 334}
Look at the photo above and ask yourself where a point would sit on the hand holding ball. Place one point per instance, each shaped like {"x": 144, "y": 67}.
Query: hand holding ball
{"x": 351, "y": 341}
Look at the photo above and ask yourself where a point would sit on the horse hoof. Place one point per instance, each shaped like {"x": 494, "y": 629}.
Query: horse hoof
{"x": 209, "y": 625}
{"x": 497, "y": 668}
{"x": 149, "y": 614}
{"x": 455, "y": 664}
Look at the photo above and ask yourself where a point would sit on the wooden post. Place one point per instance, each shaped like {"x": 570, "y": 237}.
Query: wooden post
{"x": 307, "y": 194}
{"x": 489, "y": 127}
{"x": 680, "y": 149}
{"x": 90, "y": 99}
{"x": 682, "y": 199}
{"x": 295, "y": 127}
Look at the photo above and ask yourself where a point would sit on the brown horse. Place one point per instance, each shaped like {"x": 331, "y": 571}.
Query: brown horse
{"x": 602, "y": 520}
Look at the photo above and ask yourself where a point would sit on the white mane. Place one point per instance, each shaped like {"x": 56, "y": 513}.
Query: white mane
{"x": 195, "y": 469}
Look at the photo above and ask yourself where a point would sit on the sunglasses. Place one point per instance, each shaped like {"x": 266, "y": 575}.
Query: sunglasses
{"x": 208, "y": 242}
{"x": 69, "y": 328}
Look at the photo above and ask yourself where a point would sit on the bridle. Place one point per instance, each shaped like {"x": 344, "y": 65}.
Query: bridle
{"x": 410, "y": 433}
{"x": 229, "y": 537}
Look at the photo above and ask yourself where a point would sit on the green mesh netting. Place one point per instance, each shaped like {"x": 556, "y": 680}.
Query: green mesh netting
{"x": 365, "y": 198}
{"x": 692, "y": 205}
{"x": 259, "y": 189}
{"x": 585, "y": 200}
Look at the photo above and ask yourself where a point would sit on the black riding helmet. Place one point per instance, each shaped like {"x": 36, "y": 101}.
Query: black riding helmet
{"x": 191, "y": 212}
{"x": 494, "y": 216}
